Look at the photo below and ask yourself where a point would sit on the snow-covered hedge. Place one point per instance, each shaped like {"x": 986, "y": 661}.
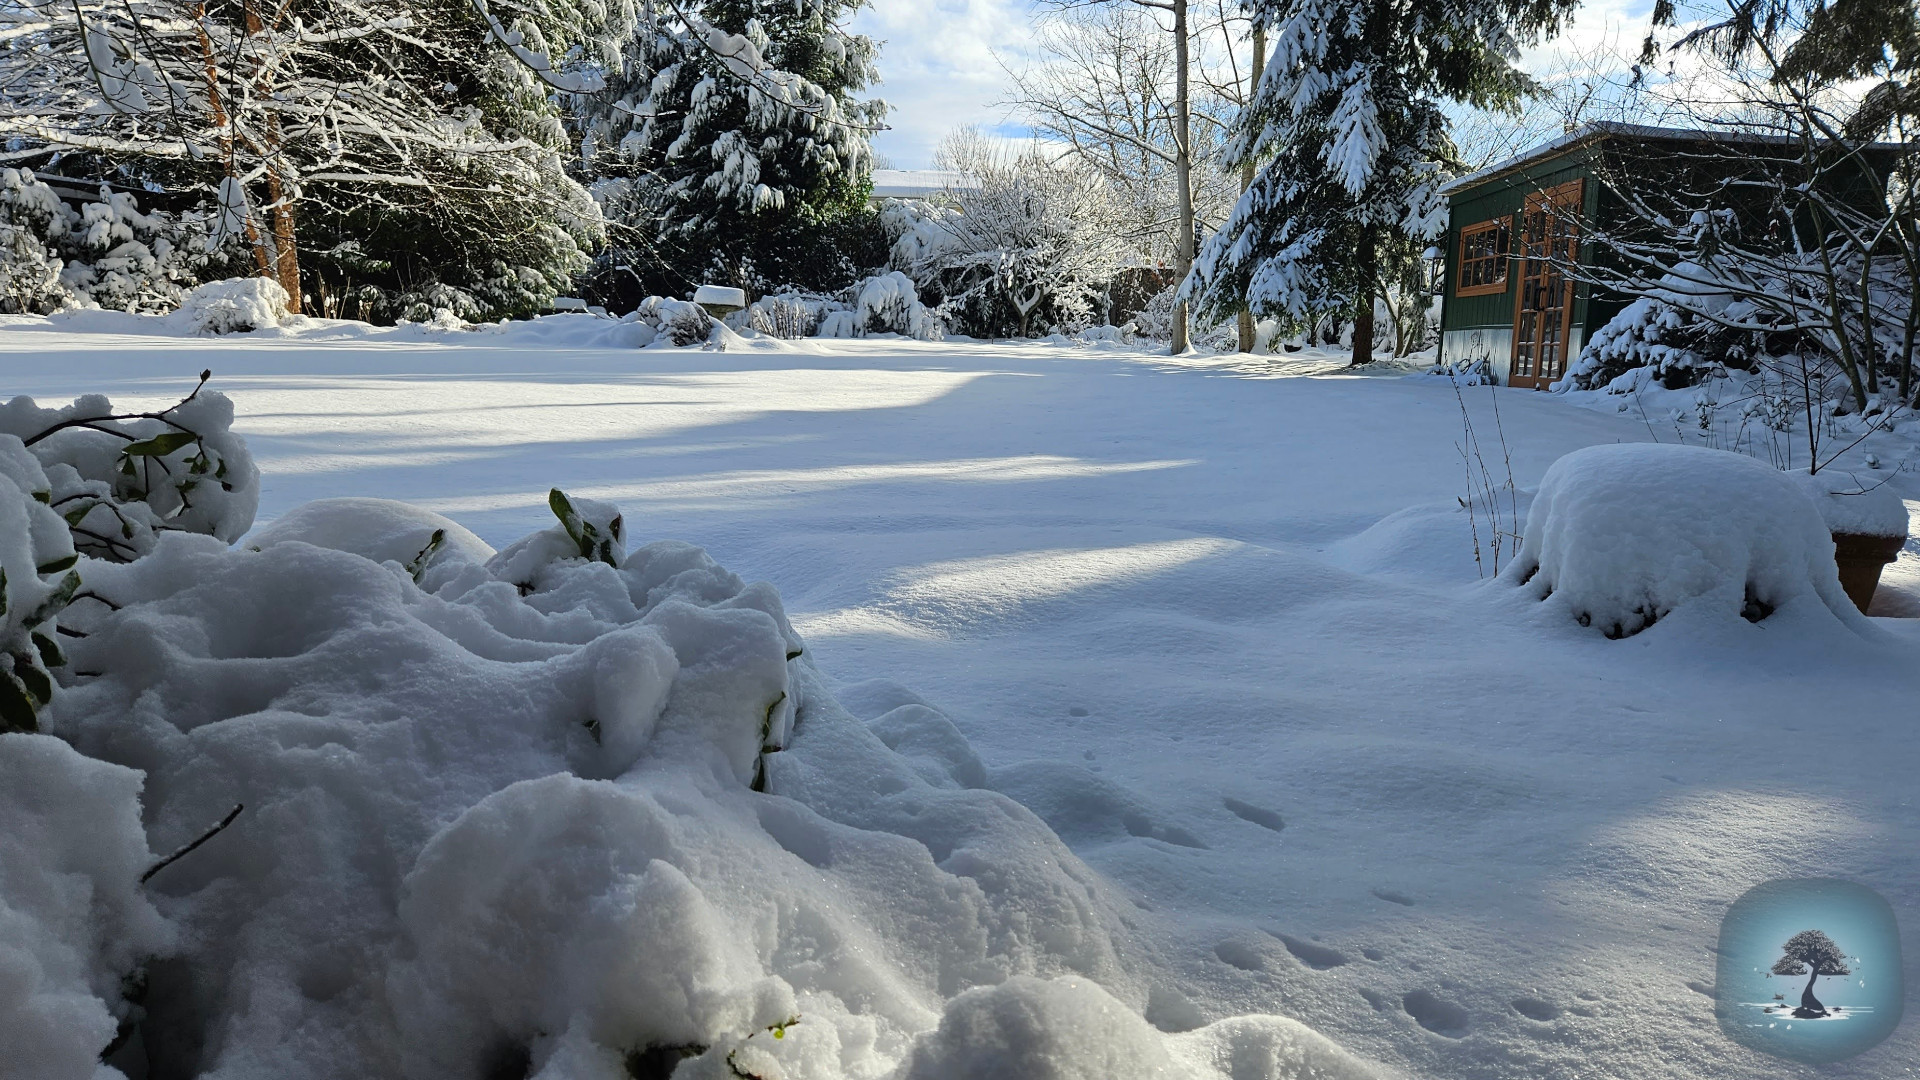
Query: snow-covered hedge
{"x": 106, "y": 254}
{"x": 1622, "y": 536}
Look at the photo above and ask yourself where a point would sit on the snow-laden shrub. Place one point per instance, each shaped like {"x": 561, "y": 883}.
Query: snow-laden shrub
{"x": 787, "y": 314}
{"x": 74, "y": 921}
{"x": 1674, "y": 346}
{"x": 105, "y": 254}
{"x": 37, "y": 581}
{"x": 232, "y": 306}
{"x": 434, "y": 874}
{"x": 119, "y": 480}
{"x": 884, "y": 303}
{"x": 1622, "y": 536}
{"x": 679, "y": 321}
{"x": 29, "y": 273}
{"x": 1029, "y": 243}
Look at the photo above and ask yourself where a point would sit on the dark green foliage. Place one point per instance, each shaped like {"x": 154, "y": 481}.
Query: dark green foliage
{"x": 705, "y": 179}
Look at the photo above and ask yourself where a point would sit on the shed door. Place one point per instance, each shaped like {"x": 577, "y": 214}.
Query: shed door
{"x": 1543, "y": 314}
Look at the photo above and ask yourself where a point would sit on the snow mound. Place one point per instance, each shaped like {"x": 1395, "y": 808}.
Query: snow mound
{"x": 567, "y": 811}
{"x": 1071, "y": 1029}
{"x": 1848, "y": 506}
{"x": 73, "y": 920}
{"x": 379, "y": 529}
{"x": 1620, "y": 536}
{"x": 231, "y": 306}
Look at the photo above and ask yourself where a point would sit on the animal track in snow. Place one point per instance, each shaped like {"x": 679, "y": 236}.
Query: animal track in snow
{"x": 1392, "y": 897}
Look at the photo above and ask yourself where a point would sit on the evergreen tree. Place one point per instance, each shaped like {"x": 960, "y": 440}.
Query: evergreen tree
{"x": 732, "y": 149}
{"x": 1351, "y": 146}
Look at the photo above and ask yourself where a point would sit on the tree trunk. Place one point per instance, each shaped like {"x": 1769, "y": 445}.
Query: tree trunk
{"x": 1182, "y": 168}
{"x": 286, "y": 253}
{"x": 1809, "y": 1003}
{"x": 1366, "y": 269}
{"x": 1246, "y": 169}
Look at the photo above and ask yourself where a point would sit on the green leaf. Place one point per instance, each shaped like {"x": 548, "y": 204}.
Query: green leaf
{"x": 16, "y": 709}
{"x": 43, "y": 497}
{"x": 419, "y": 564}
{"x": 79, "y": 514}
{"x": 160, "y": 445}
{"x": 58, "y": 565}
{"x": 57, "y": 600}
{"x": 49, "y": 649}
{"x": 35, "y": 680}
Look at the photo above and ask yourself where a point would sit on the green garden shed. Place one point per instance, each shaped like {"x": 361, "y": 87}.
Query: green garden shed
{"x": 1514, "y": 227}
{"x": 1505, "y": 301}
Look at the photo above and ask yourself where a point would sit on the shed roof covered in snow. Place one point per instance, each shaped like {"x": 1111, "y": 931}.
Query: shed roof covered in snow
{"x": 1601, "y": 130}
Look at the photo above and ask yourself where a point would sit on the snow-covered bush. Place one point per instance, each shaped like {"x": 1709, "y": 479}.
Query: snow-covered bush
{"x": 37, "y": 581}
{"x": 1675, "y": 346}
{"x": 1622, "y": 536}
{"x": 679, "y": 321}
{"x": 787, "y": 314}
{"x": 1029, "y": 243}
{"x": 231, "y": 306}
{"x": 105, "y": 254}
{"x": 884, "y": 303}
{"x": 119, "y": 480}
{"x": 74, "y": 922}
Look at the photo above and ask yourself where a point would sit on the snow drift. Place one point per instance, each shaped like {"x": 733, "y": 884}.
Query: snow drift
{"x": 1621, "y": 536}
{"x": 563, "y": 811}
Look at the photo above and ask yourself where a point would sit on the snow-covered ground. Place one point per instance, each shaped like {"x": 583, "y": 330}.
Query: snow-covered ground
{"x": 1217, "y": 621}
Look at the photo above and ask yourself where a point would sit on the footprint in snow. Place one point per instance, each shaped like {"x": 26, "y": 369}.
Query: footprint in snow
{"x": 1436, "y": 1014}
{"x": 1260, "y": 816}
{"x": 1317, "y": 957}
{"x": 1076, "y": 711}
{"x": 1536, "y": 1009}
{"x": 1241, "y": 955}
{"x": 1392, "y": 897}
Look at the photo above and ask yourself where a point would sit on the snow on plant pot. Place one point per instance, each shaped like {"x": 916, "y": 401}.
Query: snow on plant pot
{"x": 1869, "y": 526}
{"x": 1621, "y": 536}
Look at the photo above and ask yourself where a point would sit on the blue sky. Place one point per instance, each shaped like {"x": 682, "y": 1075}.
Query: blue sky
{"x": 940, "y": 70}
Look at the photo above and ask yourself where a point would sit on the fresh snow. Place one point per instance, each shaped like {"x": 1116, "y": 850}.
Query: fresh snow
{"x": 1326, "y": 795}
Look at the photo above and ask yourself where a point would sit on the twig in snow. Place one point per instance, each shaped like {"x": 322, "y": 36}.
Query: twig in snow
{"x": 203, "y": 838}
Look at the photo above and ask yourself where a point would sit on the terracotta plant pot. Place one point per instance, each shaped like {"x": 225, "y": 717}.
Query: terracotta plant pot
{"x": 1860, "y": 559}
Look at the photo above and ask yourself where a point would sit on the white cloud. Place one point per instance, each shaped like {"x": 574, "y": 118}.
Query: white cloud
{"x": 939, "y": 67}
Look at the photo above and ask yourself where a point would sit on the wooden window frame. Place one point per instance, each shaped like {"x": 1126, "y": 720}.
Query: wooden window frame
{"x": 1504, "y": 259}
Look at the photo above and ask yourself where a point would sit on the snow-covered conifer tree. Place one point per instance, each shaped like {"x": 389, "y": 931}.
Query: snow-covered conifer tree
{"x": 1351, "y": 144}
{"x": 733, "y": 147}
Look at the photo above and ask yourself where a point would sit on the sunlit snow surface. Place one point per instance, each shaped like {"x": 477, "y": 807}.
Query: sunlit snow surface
{"x": 1217, "y": 621}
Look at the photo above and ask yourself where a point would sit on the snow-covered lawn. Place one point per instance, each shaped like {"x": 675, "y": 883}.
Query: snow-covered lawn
{"x": 1218, "y": 622}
